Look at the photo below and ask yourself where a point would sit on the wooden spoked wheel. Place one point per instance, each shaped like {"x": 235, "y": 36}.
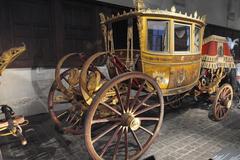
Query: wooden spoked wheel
{"x": 222, "y": 102}
{"x": 124, "y": 125}
{"x": 65, "y": 112}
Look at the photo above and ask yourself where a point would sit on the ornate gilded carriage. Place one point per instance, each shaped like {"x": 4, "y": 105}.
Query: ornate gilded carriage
{"x": 216, "y": 59}
{"x": 118, "y": 95}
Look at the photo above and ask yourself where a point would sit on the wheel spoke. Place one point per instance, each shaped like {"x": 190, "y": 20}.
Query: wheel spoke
{"x": 108, "y": 119}
{"x": 216, "y": 111}
{"x": 65, "y": 79}
{"x": 227, "y": 95}
{"x": 105, "y": 132}
{"x": 110, "y": 141}
{"x": 223, "y": 94}
{"x": 58, "y": 89}
{"x": 70, "y": 85}
{"x": 62, "y": 114}
{"x": 111, "y": 108}
{"x": 137, "y": 95}
{"x": 227, "y": 90}
{"x": 143, "y": 101}
{"x": 119, "y": 98}
{"x": 76, "y": 122}
{"x": 128, "y": 93}
{"x": 60, "y": 101}
{"x": 147, "y": 109}
{"x": 126, "y": 142}
{"x": 69, "y": 116}
{"x": 149, "y": 118}
{"x": 117, "y": 144}
{"x": 136, "y": 139}
{"x": 220, "y": 113}
{"x": 73, "y": 117}
{"x": 146, "y": 130}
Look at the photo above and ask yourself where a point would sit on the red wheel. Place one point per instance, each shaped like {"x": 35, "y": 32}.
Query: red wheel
{"x": 124, "y": 118}
{"x": 222, "y": 102}
{"x": 65, "y": 112}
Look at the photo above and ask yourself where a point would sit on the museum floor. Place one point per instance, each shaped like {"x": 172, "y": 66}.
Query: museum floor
{"x": 187, "y": 134}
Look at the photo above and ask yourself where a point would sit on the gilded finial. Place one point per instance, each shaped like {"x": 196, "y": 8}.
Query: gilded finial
{"x": 204, "y": 17}
{"x": 195, "y": 14}
{"x": 173, "y": 9}
{"x": 102, "y": 17}
{"x": 139, "y": 4}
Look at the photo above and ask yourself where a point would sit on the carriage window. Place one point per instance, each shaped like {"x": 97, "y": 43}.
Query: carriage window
{"x": 158, "y": 36}
{"x": 197, "y": 39}
{"x": 182, "y": 37}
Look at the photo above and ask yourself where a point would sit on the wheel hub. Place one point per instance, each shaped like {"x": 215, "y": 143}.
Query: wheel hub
{"x": 129, "y": 120}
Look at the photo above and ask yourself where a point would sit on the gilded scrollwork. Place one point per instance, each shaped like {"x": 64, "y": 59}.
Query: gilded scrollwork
{"x": 9, "y": 56}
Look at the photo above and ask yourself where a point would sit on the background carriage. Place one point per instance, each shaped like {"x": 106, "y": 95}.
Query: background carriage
{"x": 118, "y": 95}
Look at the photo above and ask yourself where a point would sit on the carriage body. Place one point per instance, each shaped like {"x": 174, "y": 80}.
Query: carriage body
{"x": 171, "y": 55}
{"x": 170, "y": 46}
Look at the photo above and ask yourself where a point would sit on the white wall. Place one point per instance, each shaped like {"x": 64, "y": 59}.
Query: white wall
{"x": 26, "y": 90}
{"x": 217, "y": 11}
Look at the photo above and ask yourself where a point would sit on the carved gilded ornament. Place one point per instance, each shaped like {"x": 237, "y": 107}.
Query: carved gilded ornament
{"x": 181, "y": 75}
{"x": 9, "y": 56}
{"x": 160, "y": 77}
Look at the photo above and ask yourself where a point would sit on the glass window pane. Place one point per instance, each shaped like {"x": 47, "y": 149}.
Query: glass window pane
{"x": 181, "y": 37}
{"x": 158, "y": 36}
{"x": 197, "y": 39}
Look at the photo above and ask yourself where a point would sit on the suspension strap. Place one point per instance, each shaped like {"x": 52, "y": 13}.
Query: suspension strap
{"x": 129, "y": 60}
{"x": 104, "y": 30}
{"x": 110, "y": 42}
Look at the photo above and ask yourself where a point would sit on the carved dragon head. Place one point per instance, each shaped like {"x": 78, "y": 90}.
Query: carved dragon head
{"x": 9, "y": 56}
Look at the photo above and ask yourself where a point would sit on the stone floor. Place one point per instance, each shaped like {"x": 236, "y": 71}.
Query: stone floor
{"x": 187, "y": 134}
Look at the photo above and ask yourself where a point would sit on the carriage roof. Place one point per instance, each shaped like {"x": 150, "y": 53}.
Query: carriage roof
{"x": 154, "y": 13}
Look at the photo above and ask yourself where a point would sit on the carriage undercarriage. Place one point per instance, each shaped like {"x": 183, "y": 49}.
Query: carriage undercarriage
{"x": 129, "y": 102}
